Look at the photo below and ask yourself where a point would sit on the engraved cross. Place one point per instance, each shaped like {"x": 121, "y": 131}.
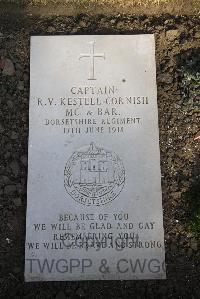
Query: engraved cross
{"x": 92, "y": 57}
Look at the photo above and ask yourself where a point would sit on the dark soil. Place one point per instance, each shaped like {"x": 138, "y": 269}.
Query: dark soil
{"x": 177, "y": 52}
{"x": 94, "y": 7}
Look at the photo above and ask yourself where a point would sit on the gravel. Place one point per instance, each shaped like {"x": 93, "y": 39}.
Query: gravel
{"x": 177, "y": 43}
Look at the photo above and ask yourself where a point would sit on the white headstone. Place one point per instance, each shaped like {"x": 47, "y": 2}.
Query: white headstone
{"x": 94, "y": 207}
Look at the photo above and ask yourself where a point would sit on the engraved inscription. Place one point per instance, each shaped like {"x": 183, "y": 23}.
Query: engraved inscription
{"x": 92, "y": 57}
{"x": 94, "y": 176}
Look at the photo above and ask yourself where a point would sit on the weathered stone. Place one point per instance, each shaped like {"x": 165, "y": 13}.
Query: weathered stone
{"x": 14, "y": 135}
{"x": 82, "y": 24}
{"x": 177, "y": 195}
{"x": 8, "y": 67}
{"x": 197, "y": 35}
{"x": 166, "y": 78}
{"x": 50, "y": 29}
{"x": 171, "y": 35}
